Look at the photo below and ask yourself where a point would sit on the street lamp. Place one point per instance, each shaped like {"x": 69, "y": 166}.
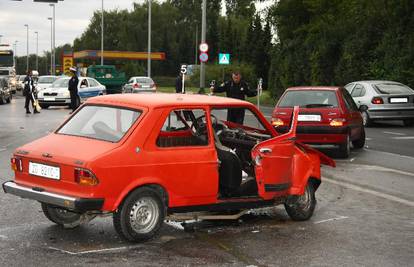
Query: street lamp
{"x": 102, "y": 33}
{"x": 37, "y": 51}
{"x": 149, "y": 40}
{"x": 53, "y": 42}
{"x": 203, "y": 40}
{"x": 27, "y": 47}
{"x": 15, "y": 55}
{"x": 51, "y": 45}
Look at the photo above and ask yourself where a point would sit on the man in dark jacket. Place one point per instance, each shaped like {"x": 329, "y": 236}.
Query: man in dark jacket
{"x": 179, "y": 84}
{"x": 235, "y": 88}
{"x": 28, "y": 92}
{"x": 73, "y": 89}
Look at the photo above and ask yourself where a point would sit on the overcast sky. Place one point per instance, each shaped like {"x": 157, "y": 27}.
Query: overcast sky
{"x": 72, "y": 18}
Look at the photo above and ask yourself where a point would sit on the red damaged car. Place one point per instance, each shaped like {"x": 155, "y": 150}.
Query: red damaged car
{"x": 147, "y": 158}
{"x": 327, "y": 116}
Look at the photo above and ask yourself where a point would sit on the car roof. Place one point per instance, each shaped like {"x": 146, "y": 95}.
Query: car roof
{"x": 329, "y": 88}
{"x": 165, "y": 100}
{"x": 375, "y": 81}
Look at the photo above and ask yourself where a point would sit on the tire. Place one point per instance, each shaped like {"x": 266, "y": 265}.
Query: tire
{"x": 62, "y": 217}
{"x": 365, "y": 119}
{"x": 2, "y": 100}
{"x": 140, "y": 216}
{"x": 344, "y": 149}
{"x": 360, "y": 142}
{"x": 408, "y": 123}
{"x": 300, "y": 208}
{"x": 43, "y": 106}
{"x": 9, "y": 99}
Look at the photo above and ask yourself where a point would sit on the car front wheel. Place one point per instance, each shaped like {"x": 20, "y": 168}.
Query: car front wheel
{"x": 62, "y": 217}
{"x": 140, "y": 216}
{"x": 300, "y": 208}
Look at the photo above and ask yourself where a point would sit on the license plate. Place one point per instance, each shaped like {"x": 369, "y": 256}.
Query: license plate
{"x": 49, "y": 99}
{"x": 399, "y": 100}
{"x": 309, "y": 117}
{"x": 44, "y": 170}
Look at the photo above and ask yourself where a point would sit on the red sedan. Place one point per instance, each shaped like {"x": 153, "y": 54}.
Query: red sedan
{"x": 327, "y": 116}
{"x": 144, "y": 158}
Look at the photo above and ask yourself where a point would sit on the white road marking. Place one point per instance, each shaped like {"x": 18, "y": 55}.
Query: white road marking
{"x": 391, "y": 154}
{"x": 352, "y": 159}
{"x": 332, "y": 219}
{"x": 394, "y": 133}
{"x": 2, "y": 149}
{"x": 368, "y": 138}
{"x": 403, "y": 137}
{"x": 94, "y": 250}
{"x": 384, "y": 169}
{"x": 369, "y": 191}
{"x": 3, "y": 237}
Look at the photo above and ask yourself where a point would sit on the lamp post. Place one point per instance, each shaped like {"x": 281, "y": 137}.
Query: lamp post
{"x": 15, "y": 54}
{"x": 203, "y": 40}
{"x": 102, "y": 33}
{"x": 149, "y": 40}
{"x": 27, "y": 47}
{"x": 54, "y": 39}
{"x": 37, "y": 51}
{"x": 51, "y": 44}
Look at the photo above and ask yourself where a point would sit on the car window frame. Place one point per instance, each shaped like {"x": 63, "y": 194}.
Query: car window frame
{"x": 351, "y": 107}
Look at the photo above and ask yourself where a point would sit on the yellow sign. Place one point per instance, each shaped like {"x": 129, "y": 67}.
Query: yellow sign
{"x": 67, "y": 63}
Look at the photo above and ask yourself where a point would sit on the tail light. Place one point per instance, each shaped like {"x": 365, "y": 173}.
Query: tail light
{"x": 136, "y": 85}
{"x": 377, "y": 100}
{"x": 277, "y": 122}
{"x": 337, "y": 122}
{"x": 16, "y": 164}
{"x": 85, "y": 177}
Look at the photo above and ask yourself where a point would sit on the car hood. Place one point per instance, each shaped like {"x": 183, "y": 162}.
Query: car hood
{"x": 66, "y": 149}
{"x": 55, "y": 89}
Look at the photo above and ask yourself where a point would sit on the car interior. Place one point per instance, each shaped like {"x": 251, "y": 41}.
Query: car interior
{"x": 234, "y": 143}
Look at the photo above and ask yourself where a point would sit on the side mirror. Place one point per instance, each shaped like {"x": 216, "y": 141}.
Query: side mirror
{"x": 363, "y": 108}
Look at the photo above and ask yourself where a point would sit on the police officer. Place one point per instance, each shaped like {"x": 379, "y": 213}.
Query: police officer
{"x": 73, "y": 89}
{"x": 235, "y": 88}
{"x": 179, "y": 84}
{"x": 28, "y": 92}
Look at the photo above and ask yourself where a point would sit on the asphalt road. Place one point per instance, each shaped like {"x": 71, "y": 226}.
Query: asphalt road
{"x": 364, "y": 217}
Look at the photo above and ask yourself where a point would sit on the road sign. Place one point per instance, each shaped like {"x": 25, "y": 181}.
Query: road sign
{"x": 183, "y": 69}
{"x": 203, "y": 47}
{"x": 224, "y": 59}
{"x": 203, "y": 57}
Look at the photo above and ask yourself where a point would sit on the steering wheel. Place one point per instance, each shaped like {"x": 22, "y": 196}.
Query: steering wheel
{"x": 201, "y": 124}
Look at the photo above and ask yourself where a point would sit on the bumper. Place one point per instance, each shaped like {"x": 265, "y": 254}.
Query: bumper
{"x": 56, "y": 102}
{"x": 63, "y": 201}
{"x": 318, "y": 135}
{"x": 137, "y": 91}
{"x": 391, "y": 114}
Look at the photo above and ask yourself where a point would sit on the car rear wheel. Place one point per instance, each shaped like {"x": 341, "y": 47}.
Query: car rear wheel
{"x": 300, "y": 208}
{"x": 360, "y": 142}
{"x": 2, "y": 100}
{"x": 140, "y": 216}
{"x": 62, "y": 217}
{"x": 345, "y": 148}
{"x": 408, "y": 123}
{"x": 365, "y": 119}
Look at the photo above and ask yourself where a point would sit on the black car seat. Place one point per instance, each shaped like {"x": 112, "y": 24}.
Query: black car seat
{"x": 230, "y": 170}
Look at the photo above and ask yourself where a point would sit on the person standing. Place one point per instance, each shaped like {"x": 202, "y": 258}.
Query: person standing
{"x": 234, "y": 88}
{"x": 73, "y": 89}
{"x": 179, "y": 84}
{"x": 28, "y": 92}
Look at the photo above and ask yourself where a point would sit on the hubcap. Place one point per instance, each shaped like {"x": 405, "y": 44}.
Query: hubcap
{"x": 144, "y": 215}
{"x": 303, "y": 201}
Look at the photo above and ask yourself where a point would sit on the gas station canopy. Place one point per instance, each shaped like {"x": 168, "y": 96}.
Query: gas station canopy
{"x": 92, "y": 54}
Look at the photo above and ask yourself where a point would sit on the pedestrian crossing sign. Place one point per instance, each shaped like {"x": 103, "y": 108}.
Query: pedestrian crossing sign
{"x": 224, "y": 59}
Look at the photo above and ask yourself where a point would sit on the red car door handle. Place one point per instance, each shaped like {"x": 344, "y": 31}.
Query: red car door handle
{"x": 265, "y": 150}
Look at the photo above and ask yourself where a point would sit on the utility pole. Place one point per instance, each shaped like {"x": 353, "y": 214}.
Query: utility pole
{"x": 37, "y": 51}
{"x": 15, "y": 55}
{"x": 54, "y": 39}
{"x": 203, "y": 40}
{"x": 27, "y": 47}
{"x": 196, "y": 45}
{"x": 51, "y": 45}
{"x": 149, "y": 40}
{"x": 102, "y": 33}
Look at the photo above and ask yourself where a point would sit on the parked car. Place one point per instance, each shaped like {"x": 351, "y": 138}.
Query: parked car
{"x": 20, "y": 84}
{"x": 328, "y": 116}
{"x": 44, "y": 82}
{"x": 383, "y": 100}
{"x": 128, "y": 155}
{"x": 139, "y": 85}
{"x": 58, "y": 94}
{"x": 5, "y": 93}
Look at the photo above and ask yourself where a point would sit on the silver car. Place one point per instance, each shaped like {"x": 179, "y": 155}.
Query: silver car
{"x": 44, "y": 82}
{"x": 383, "y": 100}
{"x": 140, "y": 84}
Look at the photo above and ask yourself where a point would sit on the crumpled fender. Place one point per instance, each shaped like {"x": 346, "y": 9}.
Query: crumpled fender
{"x": 324, "y": 158}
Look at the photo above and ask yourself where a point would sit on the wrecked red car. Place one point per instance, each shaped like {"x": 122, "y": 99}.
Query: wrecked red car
{"x": 146, "y": 158}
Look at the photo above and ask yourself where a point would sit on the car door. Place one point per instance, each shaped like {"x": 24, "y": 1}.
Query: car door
{"x": 353, "y": 114}
{"x": 94, "y": 88}
{"x": 274, "y": 159}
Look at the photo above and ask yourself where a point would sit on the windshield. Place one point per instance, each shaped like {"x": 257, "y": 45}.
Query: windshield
{"x": 21, "y": 78}
{"x": 99, "y": 122}
{"x": 309, "y": 99}
{"x": 46, "y": 79}
{"x": 144, "y": 80}
{"x": 393, "y": 88}
{"x": 60, "y": 83}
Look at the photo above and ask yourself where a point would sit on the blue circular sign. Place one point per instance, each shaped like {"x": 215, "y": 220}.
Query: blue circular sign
{"x": 203, "y": 57}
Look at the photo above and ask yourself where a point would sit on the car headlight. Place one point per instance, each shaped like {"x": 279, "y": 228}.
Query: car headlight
{"x": 66, "y": 94}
